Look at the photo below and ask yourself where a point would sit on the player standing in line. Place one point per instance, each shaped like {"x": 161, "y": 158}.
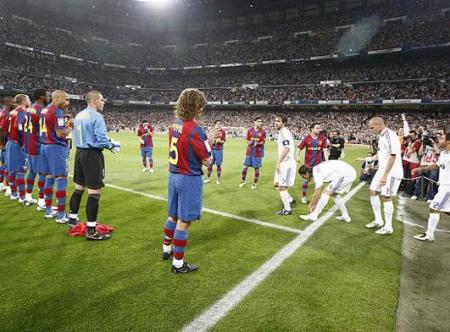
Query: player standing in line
{"x": 340, "y": 177}
{"x": 218, "y": 138}
{"x": 14, "y": 152}
{"x": 145, "y": 134}
{"x": 189, "y": 150}
{"x": 256, "y": 138}
{"x": 90, "y": 138}
{"x": 4, "y": 128}
{"x": 316, "y": 152}
{"x": 441, "y": 201}
{"x": 32, "y": 147}
{"x": 55, "y": 153}
{"x": 386, "y": 180}
{"x": 285, "y": 166}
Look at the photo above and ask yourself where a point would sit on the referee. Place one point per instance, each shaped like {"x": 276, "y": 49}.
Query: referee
{"x": 90, "y": 138}
{"x": 337, "y": 145}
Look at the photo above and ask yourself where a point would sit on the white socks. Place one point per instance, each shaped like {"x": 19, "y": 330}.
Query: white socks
{"x": 433, "y": 221}
{"x": 388, "y": 213}
{"x": 341, "y": 206}
{"x": 376, "y": 207}
{"x": 177, "y": 262}
{"x": 322, "y": 202}
{"x": 284, "y": 195}
{"x": 167, "y": 249}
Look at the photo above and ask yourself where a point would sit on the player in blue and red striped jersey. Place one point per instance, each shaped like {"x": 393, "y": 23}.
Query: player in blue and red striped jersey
{"x": 32, "y": 147}
{"x": 9, "y": 105}
{"x": 218, "y": 138}
{"x": 145, "y": 135}
{"x": 316, "y": 151}
{"x": 256, "y": 138}
{"x": 188, "y": 151}
{"x": 14, "y": 152}
{"x": 54, "y": 154}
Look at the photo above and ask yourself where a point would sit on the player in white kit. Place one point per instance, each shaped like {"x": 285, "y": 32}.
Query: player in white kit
{"x": 340, "y": 177}
{"x": 388, "y": 177}
{"x": 441, "y": 201}
{"x": 286, "y": 165}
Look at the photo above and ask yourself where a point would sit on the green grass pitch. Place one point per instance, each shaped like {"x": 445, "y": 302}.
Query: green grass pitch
{"x": 344, "y": 278}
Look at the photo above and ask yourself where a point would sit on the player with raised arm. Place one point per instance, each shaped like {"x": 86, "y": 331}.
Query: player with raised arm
{"x": 145, "y": 136}
{"x": 441, "y": 201}
{"x": 340, "y": 177}
{"x": 388, "y": 177}
{"x": 256, "y": 138}
{"x": 315, "y": 147}
{"x": 218, "y": 137}
{"x": 285, "y": 165}
{"x": 189, "y": 150}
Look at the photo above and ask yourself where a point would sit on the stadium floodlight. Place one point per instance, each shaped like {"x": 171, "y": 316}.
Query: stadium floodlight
{"x": 158, "y": 3}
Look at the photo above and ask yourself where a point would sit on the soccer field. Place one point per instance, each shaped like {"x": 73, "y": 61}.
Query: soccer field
{"x": 343, "y": 277}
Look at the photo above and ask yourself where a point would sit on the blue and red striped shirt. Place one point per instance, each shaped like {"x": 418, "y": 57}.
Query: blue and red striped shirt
{"x": 146, "y": 133}
{"x": 188, "y": 146}
{"x": 16, "y": 125}
{"x": 255, "y": 136}
{"x": 52, "y": 118}
{"x": 314, "y": 149}
{"x": 31, "y": 142}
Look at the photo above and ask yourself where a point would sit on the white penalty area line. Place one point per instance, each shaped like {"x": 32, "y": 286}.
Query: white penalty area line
{"x": 208, "y": 318}
{"x": 216, "y": 212}
{"x": 402, "y": 212}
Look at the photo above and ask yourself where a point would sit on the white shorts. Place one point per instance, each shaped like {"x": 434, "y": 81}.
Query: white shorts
{"x": 286, "y": 177}
{"x": 341, "y": 185}
{"x": 441, "y": 201}
{"x": 388, "y": 190}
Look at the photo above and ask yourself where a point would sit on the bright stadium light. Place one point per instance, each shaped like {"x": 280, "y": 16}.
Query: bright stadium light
{"x": 158, "y": 3}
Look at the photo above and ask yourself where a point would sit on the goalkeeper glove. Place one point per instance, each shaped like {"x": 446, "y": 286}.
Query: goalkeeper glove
{"x": 115, "y": 147}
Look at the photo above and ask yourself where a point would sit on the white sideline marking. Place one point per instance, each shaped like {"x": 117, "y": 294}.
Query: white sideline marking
{"x": 401, "y": 212}
{"x": 216, "y": 212}
{"x": 208, "y": 318}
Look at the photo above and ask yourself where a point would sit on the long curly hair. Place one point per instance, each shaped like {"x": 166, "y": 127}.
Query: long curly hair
{"x": 190, "y": 104}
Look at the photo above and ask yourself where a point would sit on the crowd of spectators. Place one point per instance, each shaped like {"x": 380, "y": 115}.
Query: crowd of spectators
{"x": 425, "y": 24}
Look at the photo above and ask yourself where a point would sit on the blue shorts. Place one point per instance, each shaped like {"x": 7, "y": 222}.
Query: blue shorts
{"x": 42, "y": 164}
{"x": 217, "y": 157}
{"x": 54, "y": 160}
{"x": 147, "y": 153}
{"x": 185, "y": 196}
{"x": 32, "y": 163}
{"x": 15, "y": 158}
{"x": 254, "y": 162}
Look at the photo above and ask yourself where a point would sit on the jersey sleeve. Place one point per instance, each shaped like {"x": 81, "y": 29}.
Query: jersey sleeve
{"x": 286, "y": 137}
{"x": 248, "y": 135}
{"x": 302, "y": 144}
{"x": 200, "y": 144}
{"x": 224, "y": 136}
{"x": 99, "y": 128}
{"x": 59, "y": 123}
{"x": 394, "y": 145}
{"x": 139, "y": 132}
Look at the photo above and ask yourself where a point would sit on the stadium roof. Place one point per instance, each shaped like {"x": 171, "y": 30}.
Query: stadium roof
{"x": 147, "y": 13}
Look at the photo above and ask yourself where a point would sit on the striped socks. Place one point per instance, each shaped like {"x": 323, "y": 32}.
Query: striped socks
{"x": 179, "y": 245}
{"x": 48, "y": 193}
{"x": 61, "y": 188}
{"x": 20, "y": 183}
{"x": 169, "y": 230}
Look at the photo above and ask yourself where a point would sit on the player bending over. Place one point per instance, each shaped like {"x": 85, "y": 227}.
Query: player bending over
{"x": 340, "y": 177}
